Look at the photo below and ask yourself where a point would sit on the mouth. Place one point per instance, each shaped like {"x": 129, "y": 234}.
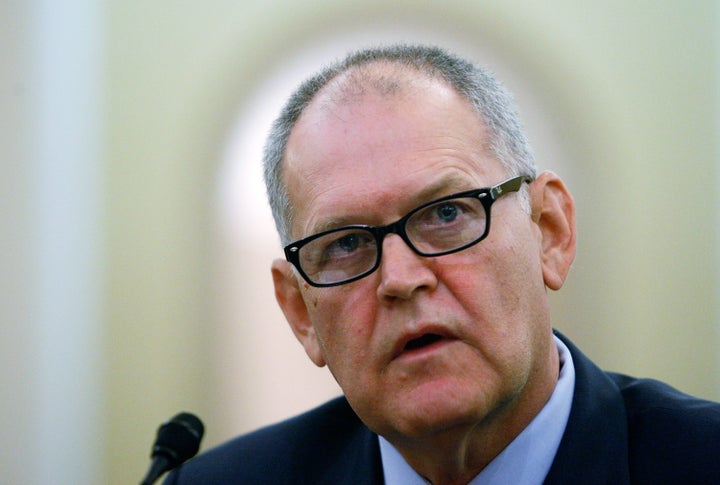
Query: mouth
{"x": 422, "y": 341}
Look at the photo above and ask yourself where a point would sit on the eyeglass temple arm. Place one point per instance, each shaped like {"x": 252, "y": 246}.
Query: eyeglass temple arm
{"x": 510, "y": 185}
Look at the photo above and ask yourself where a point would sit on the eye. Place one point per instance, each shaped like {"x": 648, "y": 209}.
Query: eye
{"x": 447, "y": 212}
{"x": 443, "y": 213}
{"x": 347, "y": 243}
{"x": 339, "y": 254}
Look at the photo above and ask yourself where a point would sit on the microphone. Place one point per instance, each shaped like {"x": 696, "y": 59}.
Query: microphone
{"x": 177, "y": 441}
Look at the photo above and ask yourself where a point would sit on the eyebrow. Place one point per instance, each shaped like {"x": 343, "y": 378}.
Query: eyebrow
{"x": 449, "y": 185}
{"x": 439, "y": 188}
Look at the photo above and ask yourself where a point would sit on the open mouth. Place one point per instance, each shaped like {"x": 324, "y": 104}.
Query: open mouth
{"x": 423, "y": 341}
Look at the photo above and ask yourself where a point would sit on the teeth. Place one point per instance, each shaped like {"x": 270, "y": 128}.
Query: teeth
{"x": 426, "y": 339}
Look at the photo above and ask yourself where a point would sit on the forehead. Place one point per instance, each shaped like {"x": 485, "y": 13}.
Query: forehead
{"x": 372, "y": 142}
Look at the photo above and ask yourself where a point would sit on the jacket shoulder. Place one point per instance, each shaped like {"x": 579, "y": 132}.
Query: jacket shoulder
{"x": 319, "y": 446}
{"x": 627, "y": 430}
{"x": 670, "y": 433}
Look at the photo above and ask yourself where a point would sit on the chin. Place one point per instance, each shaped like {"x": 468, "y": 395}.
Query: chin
{"x": 418, "y": 418}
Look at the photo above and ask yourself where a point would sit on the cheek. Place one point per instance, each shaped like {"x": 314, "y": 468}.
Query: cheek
{"x": 479, "y": 280}
{"x": 500, "y": 288}
{"x": 343, "y": 326}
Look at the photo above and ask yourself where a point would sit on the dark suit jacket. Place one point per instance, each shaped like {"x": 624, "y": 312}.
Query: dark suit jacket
{"x": 621, "y": 430}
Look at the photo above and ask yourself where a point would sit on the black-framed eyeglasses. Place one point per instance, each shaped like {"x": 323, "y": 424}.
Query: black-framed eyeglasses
{"x": 441, "y": 226}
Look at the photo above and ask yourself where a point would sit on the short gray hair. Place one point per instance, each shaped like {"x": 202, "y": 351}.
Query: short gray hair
{"x": 488, "y": 97}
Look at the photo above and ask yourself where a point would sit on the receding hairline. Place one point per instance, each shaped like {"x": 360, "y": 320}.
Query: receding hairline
{"x": 385, "y": 78}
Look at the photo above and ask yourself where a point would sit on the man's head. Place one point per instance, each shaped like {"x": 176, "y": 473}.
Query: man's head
{"x": 482, "y": 91}
{"x": 422, "y": 346}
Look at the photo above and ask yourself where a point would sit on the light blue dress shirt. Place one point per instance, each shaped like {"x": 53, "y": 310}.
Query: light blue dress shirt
{"x": 527, "y": 459}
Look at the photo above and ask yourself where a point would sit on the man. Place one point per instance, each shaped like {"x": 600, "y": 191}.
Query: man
{"x": 420, "y": 244}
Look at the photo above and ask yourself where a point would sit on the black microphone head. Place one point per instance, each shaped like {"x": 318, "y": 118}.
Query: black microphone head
{"x": 178, "y": 439}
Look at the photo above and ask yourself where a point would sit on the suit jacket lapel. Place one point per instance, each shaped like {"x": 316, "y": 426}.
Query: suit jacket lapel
{"x": 348, "y": 451}
{"x": 594, "y": 448}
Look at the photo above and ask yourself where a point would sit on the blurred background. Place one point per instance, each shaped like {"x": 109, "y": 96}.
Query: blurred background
{"x": 135, "y": 242}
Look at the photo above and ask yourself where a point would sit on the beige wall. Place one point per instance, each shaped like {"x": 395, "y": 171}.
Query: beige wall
{"x": 620, "y": 98}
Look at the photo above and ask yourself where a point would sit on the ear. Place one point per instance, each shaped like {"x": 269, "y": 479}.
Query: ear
{"x": 291, "y": 301}
{"x": 553, "y": 210}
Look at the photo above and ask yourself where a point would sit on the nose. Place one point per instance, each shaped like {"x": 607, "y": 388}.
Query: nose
{"x": 402, "y": 271}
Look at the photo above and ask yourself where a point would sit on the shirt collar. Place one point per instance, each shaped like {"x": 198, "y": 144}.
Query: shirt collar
{"x": 527, "y": 459}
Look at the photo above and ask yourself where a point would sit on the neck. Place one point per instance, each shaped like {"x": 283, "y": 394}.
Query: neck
{"x": 456, "y": 455}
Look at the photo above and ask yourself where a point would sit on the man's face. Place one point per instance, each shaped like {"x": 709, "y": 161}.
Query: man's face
{"x": 422, "y": 344}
